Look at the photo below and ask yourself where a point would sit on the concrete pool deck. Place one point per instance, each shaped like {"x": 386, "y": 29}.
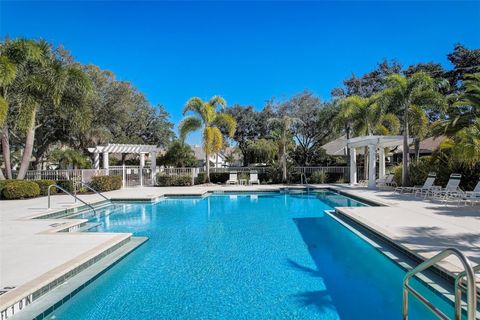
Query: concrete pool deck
{"x": 30, "y": 248}
{"x": 422, "y": 227}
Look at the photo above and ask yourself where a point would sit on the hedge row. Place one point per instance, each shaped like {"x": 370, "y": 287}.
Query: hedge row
{"x": 23, "y": 189}
{"x": 273, "y": 175}
{"x": 163, "y": 180}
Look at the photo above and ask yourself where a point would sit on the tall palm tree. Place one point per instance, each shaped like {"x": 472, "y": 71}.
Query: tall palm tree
{"x": 282, "y": 132}
{"x": 55, "y": 84}
{"x": 214, "y": 122}
{"x": 17, "y": 58}
{"x": 400, "y": 96}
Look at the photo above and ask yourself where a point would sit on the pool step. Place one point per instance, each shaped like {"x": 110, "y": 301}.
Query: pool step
{"x": 88, "y": 226}
{"x": 61, "y": 294}
{"x": 16, "y": 301}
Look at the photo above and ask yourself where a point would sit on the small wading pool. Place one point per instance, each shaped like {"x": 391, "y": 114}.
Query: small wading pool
{"x": 244, "y": 256}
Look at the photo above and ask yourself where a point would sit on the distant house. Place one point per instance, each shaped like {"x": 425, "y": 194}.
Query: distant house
{"x": 218, "y": 160}
{"x": 427, "y": 147}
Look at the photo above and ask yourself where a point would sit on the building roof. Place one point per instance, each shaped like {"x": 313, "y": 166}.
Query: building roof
{"x": 427, "y": 146}
{"x": 337, "y": 147}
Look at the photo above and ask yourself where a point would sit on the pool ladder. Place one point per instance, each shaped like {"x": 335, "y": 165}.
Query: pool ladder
{"x": 75, "y": 195}
{"x": 465, "y": 280}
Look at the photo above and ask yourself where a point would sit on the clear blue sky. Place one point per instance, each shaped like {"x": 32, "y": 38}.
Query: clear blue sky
{"x": 245, "y": 51}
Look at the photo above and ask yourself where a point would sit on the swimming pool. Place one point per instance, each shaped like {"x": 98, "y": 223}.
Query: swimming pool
{"x": 244, "y": 256}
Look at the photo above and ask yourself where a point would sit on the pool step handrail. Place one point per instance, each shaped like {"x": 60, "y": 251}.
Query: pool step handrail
{"x": 91, "y": 189}
{"x": 67, "y": 192}
{"x": 469, "y": 274}
{"x": 460, "y": 286}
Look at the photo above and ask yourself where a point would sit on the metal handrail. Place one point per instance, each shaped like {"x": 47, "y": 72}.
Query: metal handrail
{"x": 74, "y": 196}
{"x": 91, "y": 189}
{"x": 471, "y": 290}
{"x": 459, "y": 279}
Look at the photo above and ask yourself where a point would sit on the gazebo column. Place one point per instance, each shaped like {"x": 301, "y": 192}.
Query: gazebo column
{"x": 153, "y": 165}
{"x": 381, "y": 162}
{"x": 353, "y": 166}
{"x": 105, "y": 161}
{"x": 142, "y": 164}
{"x": 372, "y": 166}
{"x": 96, "y": 160}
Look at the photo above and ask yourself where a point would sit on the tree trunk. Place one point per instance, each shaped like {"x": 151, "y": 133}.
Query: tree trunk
{"x": 207, "y": 166}
{"x": 417, "y": 149}
{"x": 406, "y": 151}
{"x": 27, "y": 152}
{"x": 6, "y": 152}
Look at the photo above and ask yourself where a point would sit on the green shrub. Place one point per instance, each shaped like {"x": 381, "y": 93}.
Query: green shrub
{"x": 44, "y": 184}
{"x": 397, "y": 175}
{"x": 335, "y": 177}
{"x": 3, "y": 183}
{"x": 219, "y": 177}
{"x": 200, "y": 178}
{"x": 164, "y": 180}
{"x": 20, "y": 189}
{"x": 318, "y": 177}
{"x": 67, "y": 185}
{"x": 106, "y": 183}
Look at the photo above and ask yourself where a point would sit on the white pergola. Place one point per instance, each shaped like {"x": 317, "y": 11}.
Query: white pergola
{"x": 141, "y": 149}
{"x": 373, "y": 143}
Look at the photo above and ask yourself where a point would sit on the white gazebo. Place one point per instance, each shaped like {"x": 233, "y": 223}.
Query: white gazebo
{"x": 140, "y": 149}
{"x": 374, "y": 144}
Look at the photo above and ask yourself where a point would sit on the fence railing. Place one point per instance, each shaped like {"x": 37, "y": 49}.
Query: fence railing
{"x": 238, "y": 169}
{"x": 136, "y": 176}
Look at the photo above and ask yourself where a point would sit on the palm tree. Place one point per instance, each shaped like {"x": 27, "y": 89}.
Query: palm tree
{"x": 214, "y": 122}
{"x": 58, "y": 85}
{"x": 282, "y": 133}
{"x": 463, "y": 123}
{"x": 16, "y": 60}
{"x": 401, "y": 95}
{"x": 419, "y": 125}
{"x": 365, "y": 117}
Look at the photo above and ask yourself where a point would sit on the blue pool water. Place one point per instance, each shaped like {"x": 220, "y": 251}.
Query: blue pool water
{"x": 263, "y": 256}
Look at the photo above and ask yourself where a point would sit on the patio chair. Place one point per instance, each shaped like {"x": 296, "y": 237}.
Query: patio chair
{"x": 451, "y": 190}
{"x": 427, "y": 185}
{"x": 253, "y": 178}
{"x": 387, "y": 181}
{"x": 473, "y": 196}
{"x": 233, "y": 178}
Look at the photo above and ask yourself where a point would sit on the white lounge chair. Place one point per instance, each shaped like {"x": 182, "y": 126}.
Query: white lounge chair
{"x": 253, "y": 178}
{"x": 451, "y": 191}
{"x": 427, "y": 185}
{"x": 387, "y": 181}
{"x": 472, "y": 197}
{"x": 233, "y": 178}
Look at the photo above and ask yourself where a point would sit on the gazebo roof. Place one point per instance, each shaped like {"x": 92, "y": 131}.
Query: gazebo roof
{"x": 125, "y": 148}
{"x": 379, "y": 141}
